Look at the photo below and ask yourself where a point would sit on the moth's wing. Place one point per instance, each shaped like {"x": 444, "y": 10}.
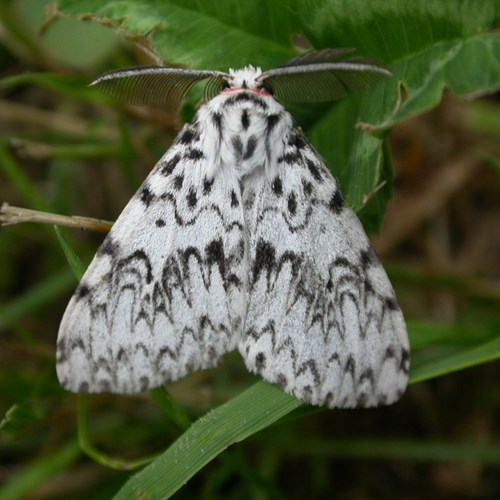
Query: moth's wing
{"x": 164, "y": 293}
{"x": 322, "y": 319}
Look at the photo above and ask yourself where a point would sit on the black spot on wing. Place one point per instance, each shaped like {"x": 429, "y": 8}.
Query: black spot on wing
{"x": 191, "y": 197}
{"x": 178, "y": 181}
{"x": 168, "y": 167}
{"x": 368, "y": 257}
{"x": 160, "y": 222}
{"x": 187, "y": 135}
{"x": 391, "y": 303}
{"x": 82, "y": 290}
{"x": 368, "y": 376}
{"x": 109, "y": 247}
{"x": 404, "y": 365}
{"x": 144, "y": 383}
{"x": 297, "y": 140}
{"x": 310, "y": 366}
{"x": 194, "y": 154}
{"x": 146, "y": 196}
{"x": 84, "y": 387}
{"x": 306, "y": 394}
{"x": 290, "y": 158}
{"x": 307, "y": 187}
{"x": 265, "y": 259}
{"x": 313, "y": 168}
{"x": 207, "y": 185}
{"x": 260, "y": 361}
{"x": 336, "y": 202}
{"x": 214, "y": 253}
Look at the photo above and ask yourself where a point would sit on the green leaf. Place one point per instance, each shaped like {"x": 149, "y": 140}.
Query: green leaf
{"x": 471, "y": 66}
{"x": 213, "y": 34}
{"x": 392, "y": 29}
{"x": 251, "y": 411}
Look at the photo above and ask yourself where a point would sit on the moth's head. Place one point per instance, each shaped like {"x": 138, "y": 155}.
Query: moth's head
{"x": 248, "y": 78}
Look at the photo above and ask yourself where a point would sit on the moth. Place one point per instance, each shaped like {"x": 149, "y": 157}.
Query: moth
{"x": 239, "y": 239}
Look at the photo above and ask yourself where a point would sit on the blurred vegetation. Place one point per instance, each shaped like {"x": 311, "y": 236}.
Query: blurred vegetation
{"x": 64, "y": 149}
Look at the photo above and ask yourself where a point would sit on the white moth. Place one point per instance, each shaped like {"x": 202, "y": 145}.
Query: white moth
{"x": 239, "y": 238}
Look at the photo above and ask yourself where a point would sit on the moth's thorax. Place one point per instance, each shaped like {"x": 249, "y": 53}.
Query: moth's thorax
{"x": 246, "y": 130}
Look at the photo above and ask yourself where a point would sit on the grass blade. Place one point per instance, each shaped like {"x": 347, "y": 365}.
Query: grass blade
{"x": 251, "y": 411}
{"x": 453, "y": 362}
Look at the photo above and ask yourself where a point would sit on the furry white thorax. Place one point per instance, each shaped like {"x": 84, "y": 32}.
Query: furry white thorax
{"x": 229, "y": 144}
{"x": 247, "y": 77}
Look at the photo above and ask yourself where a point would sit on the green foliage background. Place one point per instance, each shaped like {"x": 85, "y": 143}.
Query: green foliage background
{"x": 64, "y": 150}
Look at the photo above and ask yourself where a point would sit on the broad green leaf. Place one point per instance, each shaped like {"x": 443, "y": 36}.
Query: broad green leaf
{"x": 471, "y": 66}
{"x": 393, "y": 29}
{"x": 214, "y": 34}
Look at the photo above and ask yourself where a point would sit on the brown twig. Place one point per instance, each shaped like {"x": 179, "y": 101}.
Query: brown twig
{"x": 16, "y": 215}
